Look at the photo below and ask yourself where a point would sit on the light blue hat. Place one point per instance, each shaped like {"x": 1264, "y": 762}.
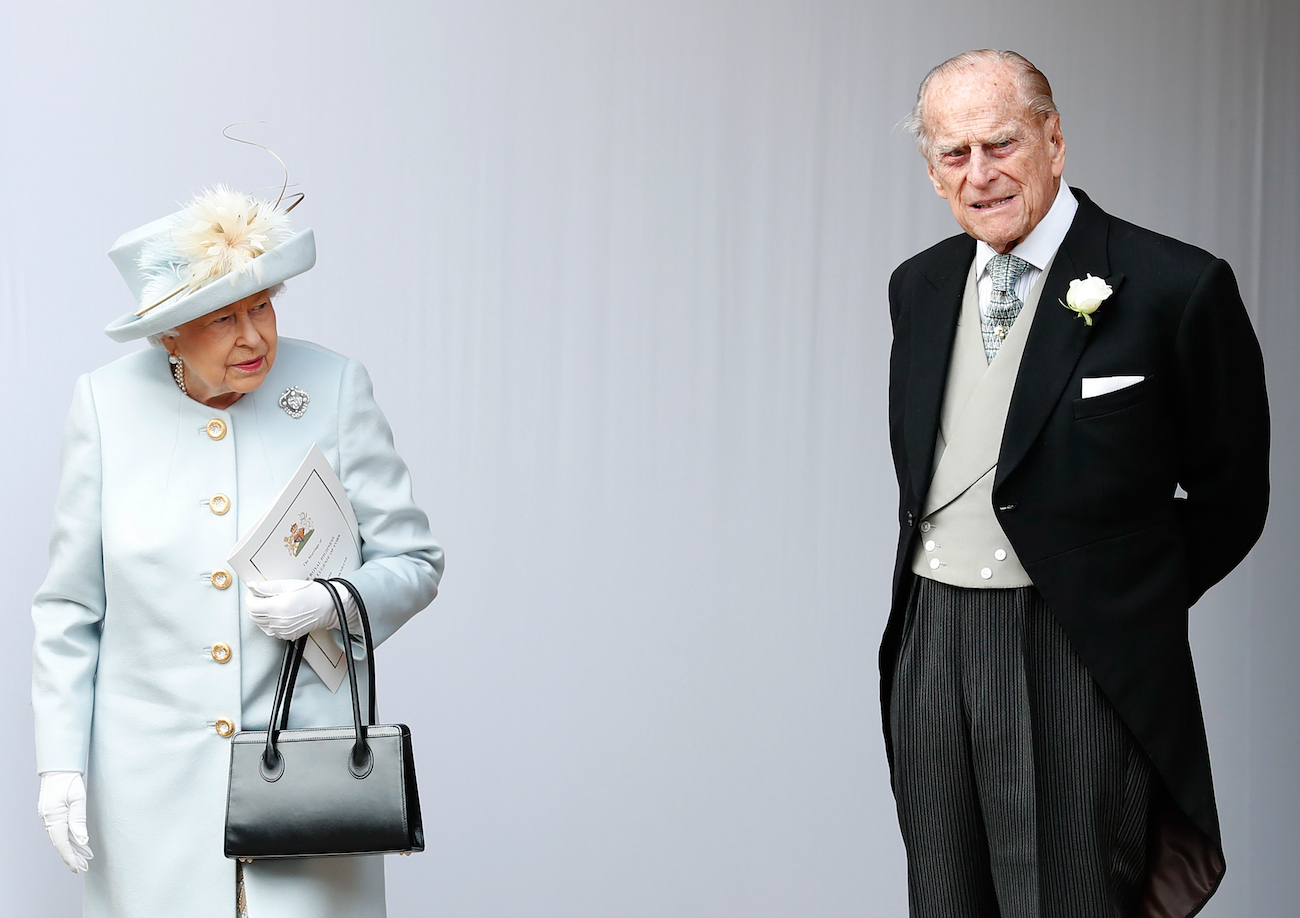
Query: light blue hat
{"x": 221, "y": 247}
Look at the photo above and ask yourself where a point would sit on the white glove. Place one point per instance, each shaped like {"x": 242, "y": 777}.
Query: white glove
{"x": 62, "y": 805}
{"x": 288, "y": 609}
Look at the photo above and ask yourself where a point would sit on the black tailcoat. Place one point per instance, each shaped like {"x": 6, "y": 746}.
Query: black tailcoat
{"x": 1085, "y": 488}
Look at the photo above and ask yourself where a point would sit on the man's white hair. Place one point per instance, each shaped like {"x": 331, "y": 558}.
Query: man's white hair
{"x": 157, "y": 340}
{"x": 1035, "y": 91}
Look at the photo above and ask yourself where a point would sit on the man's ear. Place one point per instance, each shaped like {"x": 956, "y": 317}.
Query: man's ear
{"x": 934, "y": 180}
{"x": 1056, "y": 140}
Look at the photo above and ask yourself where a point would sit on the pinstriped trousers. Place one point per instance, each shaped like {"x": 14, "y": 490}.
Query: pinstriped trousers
{"x": 1020, "y": 791}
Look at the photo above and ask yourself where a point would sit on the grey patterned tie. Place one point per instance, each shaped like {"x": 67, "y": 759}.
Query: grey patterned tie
{"x": 1004, "y": 305}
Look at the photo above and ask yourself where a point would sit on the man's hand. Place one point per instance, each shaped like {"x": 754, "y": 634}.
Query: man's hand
{"x": 62, "y": 805}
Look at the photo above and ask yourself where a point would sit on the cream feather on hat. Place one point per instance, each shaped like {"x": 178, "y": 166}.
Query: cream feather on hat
{"x": 221, "y": 247}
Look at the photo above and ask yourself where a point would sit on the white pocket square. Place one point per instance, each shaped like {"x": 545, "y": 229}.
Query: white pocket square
{"x": 1094, "y": 386}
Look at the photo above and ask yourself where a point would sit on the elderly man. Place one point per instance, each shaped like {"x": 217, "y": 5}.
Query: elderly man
{"x": 1056, "y": 375}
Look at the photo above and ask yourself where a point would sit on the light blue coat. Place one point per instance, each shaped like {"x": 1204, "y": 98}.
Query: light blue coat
{"x": 125, "y": 684}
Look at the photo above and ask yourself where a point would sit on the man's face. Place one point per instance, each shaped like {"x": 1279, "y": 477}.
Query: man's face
{"x": 997, "y": 163}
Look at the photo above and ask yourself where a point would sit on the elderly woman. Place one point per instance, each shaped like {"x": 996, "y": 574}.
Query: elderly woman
{"x": 148, "y": 653}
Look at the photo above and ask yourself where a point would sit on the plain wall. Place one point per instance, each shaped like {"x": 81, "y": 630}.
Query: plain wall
{"x": 618, "y": 271}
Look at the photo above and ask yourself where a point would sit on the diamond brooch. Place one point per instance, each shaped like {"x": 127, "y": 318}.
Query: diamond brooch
{"x": 294, "y": 402}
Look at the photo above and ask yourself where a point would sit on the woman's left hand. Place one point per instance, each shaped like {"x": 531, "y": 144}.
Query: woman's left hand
{"x": 288, "y": 609}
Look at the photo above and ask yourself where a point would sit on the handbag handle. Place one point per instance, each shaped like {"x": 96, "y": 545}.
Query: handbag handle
{"x": 285, "y": 682}
{"x": 361, "y": 761}
{"x": 370, "y": 645}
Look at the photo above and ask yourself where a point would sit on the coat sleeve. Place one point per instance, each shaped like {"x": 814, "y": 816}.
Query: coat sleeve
{"x": 69, "y": 607}
{"x": 898, "y": 377}
{"x": 1223, "y": 456}
{"x": 401, "y": 562}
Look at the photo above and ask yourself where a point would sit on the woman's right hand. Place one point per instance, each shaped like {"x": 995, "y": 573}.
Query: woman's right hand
{"x": 62, "y": 805}
{"x": 288, "y": 609}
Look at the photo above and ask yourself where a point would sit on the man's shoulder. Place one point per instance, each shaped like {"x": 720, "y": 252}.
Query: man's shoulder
{"x": 1137, "y": 248}
{"x": 1129, "y": 237}
{"x": 939, "y": 262}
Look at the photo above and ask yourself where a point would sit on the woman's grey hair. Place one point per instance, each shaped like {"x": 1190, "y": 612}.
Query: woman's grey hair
{"x": 157, "y": 340}
{"x": 1034, "y": 88}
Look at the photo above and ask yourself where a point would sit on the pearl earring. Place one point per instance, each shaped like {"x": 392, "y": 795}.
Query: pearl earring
{"x": 178, "y": 371}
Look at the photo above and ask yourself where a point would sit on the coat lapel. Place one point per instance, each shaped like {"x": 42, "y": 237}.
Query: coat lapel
{"x": 935, "y": 326}
{"x": 1057, "y": 336}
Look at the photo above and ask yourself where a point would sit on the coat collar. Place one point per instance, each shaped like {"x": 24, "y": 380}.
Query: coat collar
{"x": 935, "y": 326}
{"x": 1057, "y": 337}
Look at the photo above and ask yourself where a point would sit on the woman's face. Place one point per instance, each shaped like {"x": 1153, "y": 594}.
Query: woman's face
{"x": 227, "y": 352}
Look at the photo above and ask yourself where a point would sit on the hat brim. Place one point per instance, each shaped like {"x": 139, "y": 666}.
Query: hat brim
{"x": 291, "y": 257}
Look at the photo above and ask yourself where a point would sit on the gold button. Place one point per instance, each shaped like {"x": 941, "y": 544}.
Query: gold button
{"x": 221, "y": 653}
{"x": 219, "y": 504}
{"x": 221, "y": 578}
{"x": 216, "y": 428}
{"x": 224, "y": 727}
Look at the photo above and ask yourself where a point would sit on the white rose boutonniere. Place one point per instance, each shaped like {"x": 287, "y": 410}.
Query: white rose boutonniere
{"x": 1084, "y": 296}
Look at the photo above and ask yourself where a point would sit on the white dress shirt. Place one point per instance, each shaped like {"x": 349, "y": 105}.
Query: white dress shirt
{"x": 1037, "y": 248}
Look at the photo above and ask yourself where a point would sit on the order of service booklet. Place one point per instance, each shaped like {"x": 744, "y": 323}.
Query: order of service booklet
{"x": 310, "y": 531}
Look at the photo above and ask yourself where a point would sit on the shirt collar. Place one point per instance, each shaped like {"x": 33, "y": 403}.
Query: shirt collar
{"x": 1043, "y": 240}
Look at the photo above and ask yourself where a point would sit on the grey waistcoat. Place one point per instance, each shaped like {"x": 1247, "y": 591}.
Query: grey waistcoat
{"x": 962, "y": 543}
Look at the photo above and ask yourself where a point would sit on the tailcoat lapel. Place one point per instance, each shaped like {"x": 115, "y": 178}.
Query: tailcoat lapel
{"x": 1057, "y": 336}
{"x": 935, "y": 326}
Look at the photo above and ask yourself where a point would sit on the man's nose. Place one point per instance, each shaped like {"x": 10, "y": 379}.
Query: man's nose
{"x": 982, "y": 168}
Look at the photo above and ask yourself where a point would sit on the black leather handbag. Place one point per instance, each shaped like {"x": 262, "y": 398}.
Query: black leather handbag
{"x": 320, "y": 791}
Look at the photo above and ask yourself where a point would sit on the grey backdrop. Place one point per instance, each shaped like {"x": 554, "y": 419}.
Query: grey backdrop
{"x": 618, "y": 270}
